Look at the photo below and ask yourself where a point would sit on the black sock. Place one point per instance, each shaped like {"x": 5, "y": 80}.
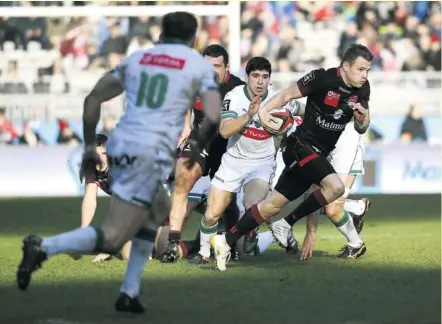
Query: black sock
{"x": 174, "y": 236}
{"x": 314, "y": 201}
{"x": 231, "y": 215}
{"x": 250, "y": 220}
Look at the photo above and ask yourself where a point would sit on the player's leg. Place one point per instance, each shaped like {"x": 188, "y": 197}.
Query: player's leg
{"x": 142, "y": 245}
{"x": 122, "y": 222}
{"x": 256, "y": 188}
{"x": 184, "y": 181}
{"x": 227, "y": 181}
{"x": 313, "y": 168}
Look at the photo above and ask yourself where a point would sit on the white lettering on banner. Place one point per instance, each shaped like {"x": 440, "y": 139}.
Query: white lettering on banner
{"x": 53, "y": 170}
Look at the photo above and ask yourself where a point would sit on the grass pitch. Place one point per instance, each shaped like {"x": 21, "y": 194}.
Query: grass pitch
{"x": 397, "y": 281}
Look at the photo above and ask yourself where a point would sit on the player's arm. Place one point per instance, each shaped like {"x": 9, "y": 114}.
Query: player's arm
{"x": 231, "y": 123}
{"x": 109, "y": 86}
{"x": 308, "y": 84}
{"x": 361, "y": 113}
{"x": 89, "y": 204}
{"x": 310, "y": 236}
{"x": 187, "y": 127}
{"x": 211, "y": 100}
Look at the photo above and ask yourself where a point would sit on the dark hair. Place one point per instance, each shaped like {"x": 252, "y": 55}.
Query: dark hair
{"x": 179, "y": 24}
{"x": 216, "y": 50}
{"x": 354, "y": 51}
{"x": 258, "y": 63}
{"x": 101, "y": 139}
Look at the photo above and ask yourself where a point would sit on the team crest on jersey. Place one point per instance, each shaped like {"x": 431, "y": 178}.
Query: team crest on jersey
{"x": 332, "y": 99}
{"x": 338, "y": 114}
{"x": 308, "y": 78}
{"x": 353, "y": 99}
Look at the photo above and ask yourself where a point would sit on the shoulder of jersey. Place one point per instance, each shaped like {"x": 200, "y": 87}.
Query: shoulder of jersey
{"x": 237, "y": 91}
{"x": 236, "y": 81}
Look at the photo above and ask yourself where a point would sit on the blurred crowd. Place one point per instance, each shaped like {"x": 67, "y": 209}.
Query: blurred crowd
{"x": 53, "y": 55}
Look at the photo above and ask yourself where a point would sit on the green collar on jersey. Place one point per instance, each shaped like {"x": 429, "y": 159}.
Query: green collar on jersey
{"x": 174, "y": 41}
{"x": 250, "y": 99}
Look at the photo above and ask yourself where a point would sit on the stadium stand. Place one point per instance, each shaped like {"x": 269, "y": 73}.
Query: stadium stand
{"x": 47, "y": 65}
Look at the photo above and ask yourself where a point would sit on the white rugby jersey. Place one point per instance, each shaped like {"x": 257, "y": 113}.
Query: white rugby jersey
{"x": 160, "y": 85}
{"x": 252, "y": 142}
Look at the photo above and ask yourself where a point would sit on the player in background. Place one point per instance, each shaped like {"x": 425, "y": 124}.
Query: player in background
{"x": 98, "y": 180}
{"x": 160, "y": 84}
{"x": 331, "y": 95}
{"x": 249, "y": 162}
{"x": 207, "y": 162}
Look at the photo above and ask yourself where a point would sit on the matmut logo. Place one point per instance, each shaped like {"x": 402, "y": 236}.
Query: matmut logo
{"x": 163, "y": 60}
{"x": 329, "y": 125}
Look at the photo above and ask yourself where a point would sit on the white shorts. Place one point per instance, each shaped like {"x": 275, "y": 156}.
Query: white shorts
{"x": 348, "y": 155}
{"x": 137, "y": 171}
{"x": 233, "y": 173}
{"x": 200, "y": 190}
{"x": 280, "y": 165}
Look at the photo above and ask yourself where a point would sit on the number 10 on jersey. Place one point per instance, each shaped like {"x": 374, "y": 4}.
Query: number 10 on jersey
{"x": 152, "y": 90}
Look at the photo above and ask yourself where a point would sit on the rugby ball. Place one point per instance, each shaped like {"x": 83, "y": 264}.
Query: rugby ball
{"x": 283, "y": 121}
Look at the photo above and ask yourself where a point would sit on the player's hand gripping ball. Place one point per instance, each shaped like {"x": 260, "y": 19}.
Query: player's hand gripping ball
{"x": 280, "y": 121}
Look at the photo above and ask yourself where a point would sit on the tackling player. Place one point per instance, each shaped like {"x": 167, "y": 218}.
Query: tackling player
{"x": 160, "y": 84}
{"x": 207, "y": 163}
{"x": 249, "y": 162}
{"x": 331, "y": 97}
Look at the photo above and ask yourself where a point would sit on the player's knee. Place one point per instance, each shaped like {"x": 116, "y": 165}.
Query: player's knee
{"x": 113, "y": 242}
{"x": 210, "y": 218}
{"x": 268, "y": 209}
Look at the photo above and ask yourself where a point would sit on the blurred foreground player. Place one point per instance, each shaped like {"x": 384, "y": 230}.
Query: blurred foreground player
{"x": 334, "y": 97}
{"x": 160, "y": 84}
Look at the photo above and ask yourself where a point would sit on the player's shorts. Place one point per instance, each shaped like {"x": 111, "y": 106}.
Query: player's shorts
{"x": 137, "y": 170}
{"x": 210, "y": 159}
{"x": 304, "y": 166}
{"x": 348, "y": 155}
{"x": 234, "y": 173}
{"x": 280, "y": 165}
{"x": 200, "y": 190}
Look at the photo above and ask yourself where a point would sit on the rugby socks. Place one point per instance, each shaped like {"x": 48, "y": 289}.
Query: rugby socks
{"x": 347, "y": 228}
{"x": 265, "y": 239}
{"x": 231, "y": 214}
{"x": 206, "y": 233}
{"x": 356, "y": 207}
{"x": 139, "y": 256}
{"x": 83, "y": 240}
{"x": 250, "y": 220}
{"x": 312, "y": 203}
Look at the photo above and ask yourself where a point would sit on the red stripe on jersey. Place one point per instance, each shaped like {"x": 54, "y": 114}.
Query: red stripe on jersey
{"x": 256, "y": 134}
{"x": 164, "y": 61}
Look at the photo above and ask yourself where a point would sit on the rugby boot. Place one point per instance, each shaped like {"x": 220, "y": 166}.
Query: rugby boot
{"x": 292, "y": 244}
{"x": 199, "y": 260}
{"x": 358, "y": 220}
{"x": 281, "y": 231}
{"x": 126, "y": 304}
{"x": 33, "y": 257}
{"x": 171, "y": 254}
{"x": 353, "y": 253}
{"x": 234, "y": 254}
{"x": 250, "y": 241}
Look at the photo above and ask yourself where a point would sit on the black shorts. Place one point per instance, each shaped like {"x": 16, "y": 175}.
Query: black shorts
{"x": 210, "y": 159}
{"x": 304, "y": 166}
